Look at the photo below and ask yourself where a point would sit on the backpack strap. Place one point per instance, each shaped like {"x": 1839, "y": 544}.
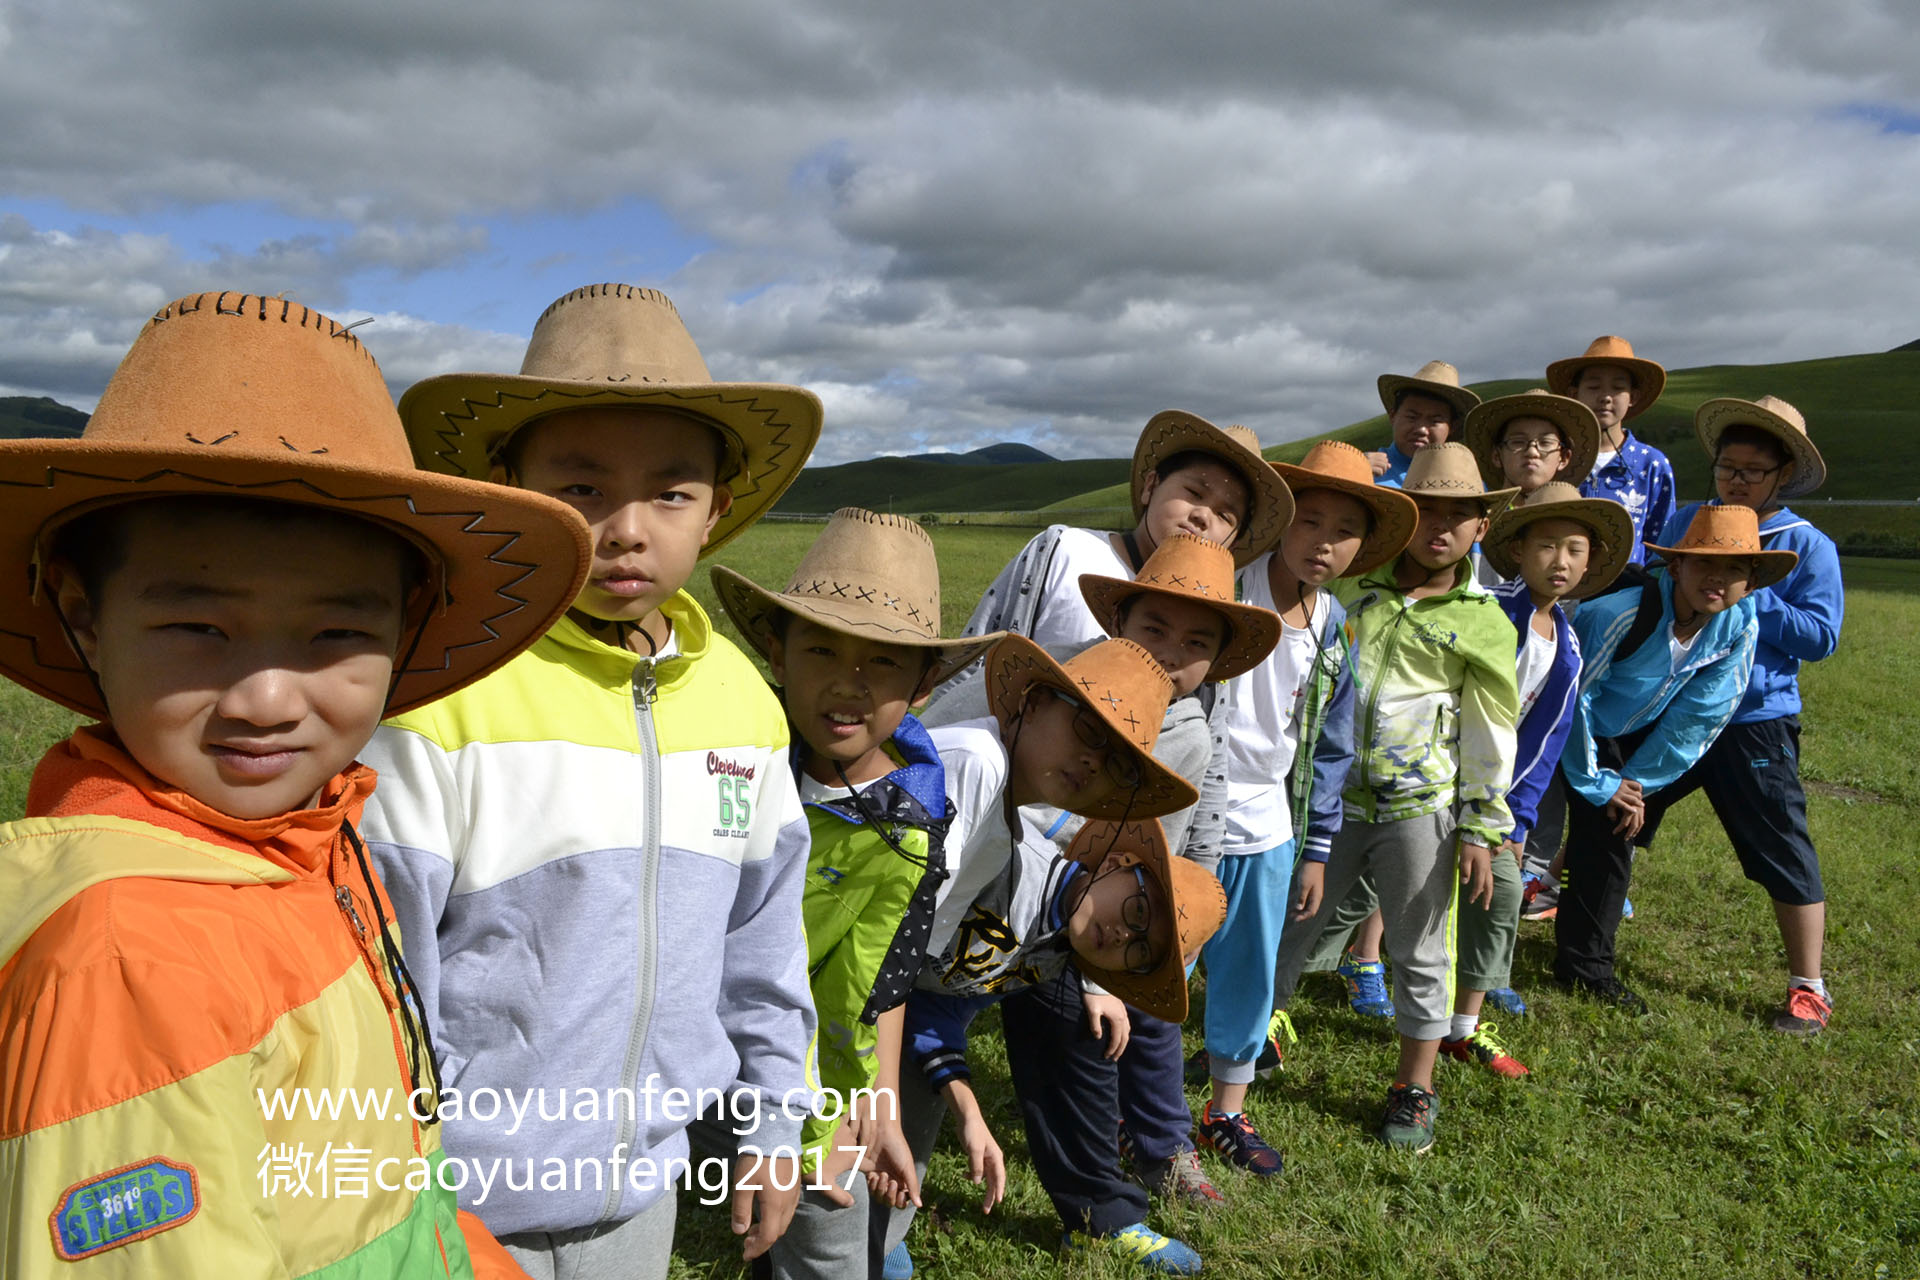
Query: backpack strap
{"x": 1645, "y": 618}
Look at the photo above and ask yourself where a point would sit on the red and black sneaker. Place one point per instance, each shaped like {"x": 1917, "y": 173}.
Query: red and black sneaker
{"x": 1235, "y": 1138}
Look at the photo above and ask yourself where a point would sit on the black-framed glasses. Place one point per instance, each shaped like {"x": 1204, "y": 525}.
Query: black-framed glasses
{"x": 1093, "y": 734}
{"x": 1136, "y": 912}
{"x": 1544, "y": 446}
{"x": 1745, "y": 475}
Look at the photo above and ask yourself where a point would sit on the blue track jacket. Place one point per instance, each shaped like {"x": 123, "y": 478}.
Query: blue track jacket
{"x": 1543, "y": 732}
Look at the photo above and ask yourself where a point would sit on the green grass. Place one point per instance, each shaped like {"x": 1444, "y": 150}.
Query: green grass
{"x": 1692, "y": 1142}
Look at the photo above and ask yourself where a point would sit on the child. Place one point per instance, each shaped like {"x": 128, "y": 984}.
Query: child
{"x": 1610, "y": 380}
{"x": 525, "y": 825}
{"x": 1422, "y": 410}
{"x": 249, "y": 572}
{"x": 1553, "y": 545}
{"x": 1425, "y": 800}
{"x": 1665, "y": 665}
{"x": 1290, "y": 742}
{"x": 1120, "y": 910}
{"x": 852, "y": 642}
{"x": 1761, "y": 455}
{"x": 1530, "y": 439}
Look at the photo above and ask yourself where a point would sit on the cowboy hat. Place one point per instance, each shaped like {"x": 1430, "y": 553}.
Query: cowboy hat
{"x": 1121, "y": 684}
{"x": 1195, "y": 898}
{"x": 618, "y": 345}
{"x": 1337, "y": 465}
{"x": 1436, "y": 378}
{"x": 1776, "y": 418}
{"x": 867, "y": 575}
{"x": 1449, "y": 471}
{"x": 1611, "y": 526}
{"x": 1731, "y": 531}
{"x": 1649, "y": 379}
{"x": 1575, "y": 422}
{"x": 243, "y": 396}
{"x": 1270, "y": 506}
{"x": 1185, "y": 567}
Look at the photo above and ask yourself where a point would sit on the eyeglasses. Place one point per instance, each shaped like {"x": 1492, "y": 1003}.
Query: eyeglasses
{"x": 1545, "y": 447}
{"x": 1092, "y": 732}
{"x": 1745, "y": 475}
{"x": 1137, "y": 913}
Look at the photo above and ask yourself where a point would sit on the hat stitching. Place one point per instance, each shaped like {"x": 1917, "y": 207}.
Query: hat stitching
{"x": 294, "y": 448}
{"x": 308, "y": 318}
{"x": 193, "y": 439}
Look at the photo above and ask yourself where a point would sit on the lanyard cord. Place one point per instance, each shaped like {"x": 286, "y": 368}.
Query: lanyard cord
{"x": 420, "y": 1038}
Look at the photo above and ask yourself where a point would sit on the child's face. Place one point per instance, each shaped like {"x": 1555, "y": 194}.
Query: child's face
{"x": 1122, "y": 921}
{"x": 1184, "y": 636}
{"x": 1532, "y": 452}
{"x": 1748, "y": 475}
{"x": 1206, "y": 498}
{"x": 1065, "y": 756}
{"x": 846, "y": 695}
{"x": 1421, "y": 421}
{"x": 644, "y": 480}
{"x": 1325, "y": 535}
{"x": 1607, "y": 389}
{"x": 1447, "y": 530}
{"x": 1711, "y": 584}
{"x": 245, "y": 659}
{"x": 1553, "y": 556}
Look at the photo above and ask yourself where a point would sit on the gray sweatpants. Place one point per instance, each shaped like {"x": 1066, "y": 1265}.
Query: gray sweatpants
{"x": 1415, "y": 871}
{"x": 636, "y": 1249}
{"x": 824, "y": 1241}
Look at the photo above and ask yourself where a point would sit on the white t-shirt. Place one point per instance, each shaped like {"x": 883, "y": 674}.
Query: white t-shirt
{"x": 1536, "y": 663}
{"x": 1604, "y": 458}
{"x": 978, "y": 847}
{"x": 1064, "y": 617}
{"x": 1264, "y": 733}
{"x": 1678, "y": 649}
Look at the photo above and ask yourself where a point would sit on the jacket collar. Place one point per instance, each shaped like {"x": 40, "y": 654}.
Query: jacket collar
{"x": 692, "y": 638}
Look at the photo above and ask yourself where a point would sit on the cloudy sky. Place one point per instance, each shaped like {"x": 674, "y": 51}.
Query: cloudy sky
{"x": 972, "y": 222}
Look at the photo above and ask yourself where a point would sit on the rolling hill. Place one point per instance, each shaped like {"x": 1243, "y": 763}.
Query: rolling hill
{"x": 940, "y": 482}
{"x": 23, "y": 416}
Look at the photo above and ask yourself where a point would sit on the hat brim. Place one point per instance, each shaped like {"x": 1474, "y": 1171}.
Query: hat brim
{"x": 456, "y": 423}
{"x": 1162, "y": 992}
{"x": 1564, "y": 375}
{"x": 1252, "y": 631}
{"x": 1174, "y": 431}
{"x": 1392, "y": 384}
{"x": 1575, "y": 421}
{"x": 1394, "y": 515}
{"x": 1015, "y": 664}
{"x": 1715, "y": 416}
{"x": 753, "y": 609}
{"x": 1608, "y": 519}
{"x": 1768, "y": 566}
{"x": 1496, "y": 500}
{"x": 511, "y": 562}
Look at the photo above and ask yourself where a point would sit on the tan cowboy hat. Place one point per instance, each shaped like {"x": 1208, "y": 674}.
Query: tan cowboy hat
{"x": 1337, "y": 465}
{"x": 1575, "y": 422}
{"x": 618, "y": 344}
{"x": 1778, "y": 419}
{"x": 1609, "y": 522}
{"x": 1174, "y": 431}
{"x": 1185, "y": 567}
{"x": 1649, "y": 379}
{"x": 1436, "y": 378}
{"x": 241, "y": 396}
{"x": 1449, "y": 471}
{"x": 866, "y": 575}
{"x": 1731, "y": 531}
{"x": 1120, "y": 683}
{"x": 1198, "y": 903}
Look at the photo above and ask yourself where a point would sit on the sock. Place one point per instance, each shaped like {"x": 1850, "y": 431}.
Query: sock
{"x": 1464, "y": 1025}
{"x": 1816, "y": 985}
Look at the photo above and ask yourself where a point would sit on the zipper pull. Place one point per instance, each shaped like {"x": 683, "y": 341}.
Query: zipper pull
{"x": 644, "y": 688}
{"x": 345, "y": 899}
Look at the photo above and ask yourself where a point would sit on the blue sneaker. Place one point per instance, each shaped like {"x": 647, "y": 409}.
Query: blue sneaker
{"x": 1507, "y": 1001}
{"x": 1626, "y": 908}
{"x": 898, "y": 1264}
{"x": 1140, "y": 1243}
{"x": 1366, "y": 986}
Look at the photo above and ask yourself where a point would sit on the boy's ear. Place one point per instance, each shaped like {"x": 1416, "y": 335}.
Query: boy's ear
{"x": 722, "y": 503}
{"x": 777, "y": 658}
{"x": 1148, "y": 483}
{"x": 501, "y": 473}
{"x": 69, "y": 595}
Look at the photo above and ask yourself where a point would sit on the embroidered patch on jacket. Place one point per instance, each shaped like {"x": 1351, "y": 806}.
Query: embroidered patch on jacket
{"x": 126, "y": 1204}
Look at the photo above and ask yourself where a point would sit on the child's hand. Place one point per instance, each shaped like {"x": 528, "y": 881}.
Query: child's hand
{"x": 985, "y": 1164}
{"x": 1377, "y": 459}
{"x": 1107, "y": 1015}
{"x": 843, "y": 1155}
{"x": 757, "y": 1183}
{"x": 889, "y": 1165}
{"x": 1518, "y": 850}
{"x": 1308, "y": 888}
{"x": 1627, "y": 809}
{"x": 1476, "y": 872}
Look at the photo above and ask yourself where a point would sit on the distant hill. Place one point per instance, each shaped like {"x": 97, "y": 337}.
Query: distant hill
{"x": 992, "y": 455}
{"x": 24, "y": 416}
{"x": 1000, "y": 477}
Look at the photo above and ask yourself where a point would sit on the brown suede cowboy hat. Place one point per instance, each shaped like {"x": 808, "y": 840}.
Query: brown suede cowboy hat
{"x": 1121, "y": 684}
{"x": 1731, "y": 531}
{"x": 238, "y": 395}
{"x": 1649, "y": 379}
{"x": 1774, "y": 417}
{"x": 867, "y": 575}
{"x": 1575, "y": 422}
{"x": 1337, "y": 465}
{"x": 1198, "y": 904}
{"x": 1185, "y": 567}
{"x": 618, "y": 344}
{"x": 1449, "y": 470}
{"x": 1175, "y": 431}
{"x": 1611, "y": 526}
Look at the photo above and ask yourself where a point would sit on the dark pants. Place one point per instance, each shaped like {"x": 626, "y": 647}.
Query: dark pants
{"x": 1751, "y": 775}
{"x": 1599, "y": 867}
{"x": 1153, "y": 1092}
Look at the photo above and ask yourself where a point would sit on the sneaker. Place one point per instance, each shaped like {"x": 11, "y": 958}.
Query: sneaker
{"x": 1408, "y": 1123}
{"x": 1483, "y": 1048}
{"x": 1539, "y": 899}
{"x": 1140, "y": 1243}
{"x": 1235, "y": 1138}
{"x": 1272, "y": 1057}
{"x": 1507, "y": 1001}
{"x": 898, "y": 1264}
{"x": 1806, "y": 1013}
{"x": 1609, "y": 990}
{"x": 1626, "y": 908}
{"x": 1179, "y": 1177}
{"x": 1366, "y": 986}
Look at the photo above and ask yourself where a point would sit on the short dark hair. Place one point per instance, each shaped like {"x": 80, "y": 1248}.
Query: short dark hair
{"x": 1124, "y": 608}
{"x": 1742, "y": 433}
{"x": 1400, "y": 398}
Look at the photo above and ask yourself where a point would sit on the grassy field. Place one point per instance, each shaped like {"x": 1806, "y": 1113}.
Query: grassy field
{"x": 1692, "y": 1142}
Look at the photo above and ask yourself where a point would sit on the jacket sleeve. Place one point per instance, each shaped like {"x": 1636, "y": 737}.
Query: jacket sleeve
{"x": 1693, "y": 719}
{"x": 936, "y": 1033}
{"x": 1489, "y": 707}
{"x": 1523, "y": 799}
{"x": 1206, "y": 819}
{"x": 1332, "y": 758}
{"x": 1800, "y": 615}
{"x": 1661, "y": 500}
